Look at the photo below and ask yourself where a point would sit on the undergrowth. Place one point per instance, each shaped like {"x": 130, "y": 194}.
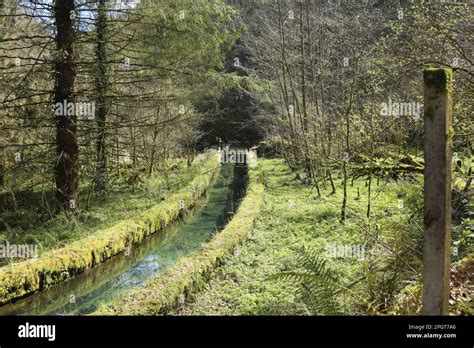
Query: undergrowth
{"x": 285, "y": 267}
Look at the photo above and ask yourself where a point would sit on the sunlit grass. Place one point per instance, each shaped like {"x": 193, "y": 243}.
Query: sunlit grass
{"x": 294, "y": 217}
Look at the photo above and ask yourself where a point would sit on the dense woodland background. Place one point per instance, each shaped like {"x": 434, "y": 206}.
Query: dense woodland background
{"x": 303, "y": 79}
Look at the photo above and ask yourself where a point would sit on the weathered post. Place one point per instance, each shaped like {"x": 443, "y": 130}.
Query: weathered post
{"x": 437, "y": 190}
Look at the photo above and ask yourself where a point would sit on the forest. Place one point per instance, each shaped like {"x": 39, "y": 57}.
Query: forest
{"x": 236, "y": 157}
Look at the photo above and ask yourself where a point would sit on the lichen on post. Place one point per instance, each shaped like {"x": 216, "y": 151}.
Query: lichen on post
{"x": 437, "y": 190}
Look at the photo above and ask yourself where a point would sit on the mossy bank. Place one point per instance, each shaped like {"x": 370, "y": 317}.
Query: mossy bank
{"x": 23, "y": 278}
{"x": 163, "y": 293}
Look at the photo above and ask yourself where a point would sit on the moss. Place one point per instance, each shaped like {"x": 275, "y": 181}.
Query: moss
{"x": 162, "y": 293}
{"x": 20, "y": 279}
{"x": 438, "y": 79}
{"x": 450, "y": 133}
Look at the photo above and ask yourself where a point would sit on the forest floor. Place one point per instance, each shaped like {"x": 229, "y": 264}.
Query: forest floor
{"x": 294, "y": 217}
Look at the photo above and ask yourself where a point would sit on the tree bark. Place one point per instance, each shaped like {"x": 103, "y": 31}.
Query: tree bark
{"x": 66, "y": 167}
{"x": 153, "y": 146}
{"x": 101, "y": 181}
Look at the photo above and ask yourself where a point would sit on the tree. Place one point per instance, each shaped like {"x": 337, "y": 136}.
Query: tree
{"x": 102, "y": 87}
{"x": 67, "y": 150}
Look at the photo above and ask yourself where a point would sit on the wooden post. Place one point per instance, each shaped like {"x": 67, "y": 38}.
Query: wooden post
{"x": 437, "y": 190}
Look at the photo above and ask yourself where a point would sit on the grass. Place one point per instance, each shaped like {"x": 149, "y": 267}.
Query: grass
{"x": 293, "y": 217}
{"x": 232, "y": 279}
{"x": 22, "y": 278}
{"x": 25, "y": 226}
{"x": 162, "y": 293}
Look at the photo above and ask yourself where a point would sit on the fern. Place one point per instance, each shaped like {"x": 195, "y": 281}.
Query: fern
{"x": 318, "y": 285}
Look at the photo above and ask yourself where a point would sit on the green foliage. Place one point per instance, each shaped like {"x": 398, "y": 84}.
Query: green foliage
{"x": 162, "y": 293}
{"x": 197, "y": 35}
{"x": 97, "y": 212}
{"x": 22, "y": 278}
{"x": 293, "y": 219}
{"x": 318, "y": 284}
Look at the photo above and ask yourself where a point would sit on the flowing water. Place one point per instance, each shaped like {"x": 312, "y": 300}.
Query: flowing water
{"x": 84, "y": 293}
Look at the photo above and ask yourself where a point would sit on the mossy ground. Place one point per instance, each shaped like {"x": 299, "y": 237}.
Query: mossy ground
{"x": 294, "y": 217}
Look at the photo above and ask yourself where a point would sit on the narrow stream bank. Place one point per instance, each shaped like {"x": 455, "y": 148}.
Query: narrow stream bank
{"x": 82, "y": 294}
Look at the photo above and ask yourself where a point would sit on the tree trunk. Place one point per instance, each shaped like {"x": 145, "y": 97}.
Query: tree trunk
{"x": 2, "y": 168}
{"x": 102, "y": 86}
{"x": 153, "y": 146}
{"x": 347, "y": 143}
{"x": 66, "y": 167}
{"x": 2, "y": 177}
